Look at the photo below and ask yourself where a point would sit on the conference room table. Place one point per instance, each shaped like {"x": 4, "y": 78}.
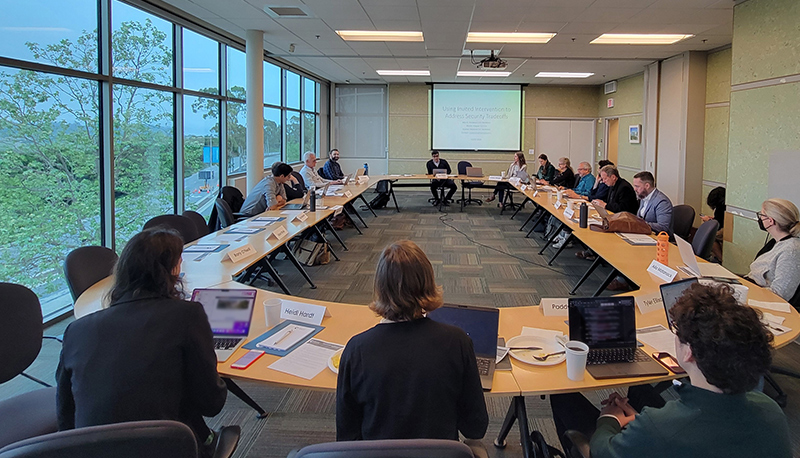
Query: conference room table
{"x": 410, "y": 180}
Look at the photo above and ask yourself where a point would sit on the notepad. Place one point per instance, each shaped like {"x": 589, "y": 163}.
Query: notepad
{"x": 637, "y": 239}
{"x": 286, "y": 338}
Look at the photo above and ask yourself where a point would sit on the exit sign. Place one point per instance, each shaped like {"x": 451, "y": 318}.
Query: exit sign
{"x": 610, "y": 103}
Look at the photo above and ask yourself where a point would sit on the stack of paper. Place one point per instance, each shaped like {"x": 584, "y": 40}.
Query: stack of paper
{"x": 308, "y": 359}
{"x": 637, "y": 239}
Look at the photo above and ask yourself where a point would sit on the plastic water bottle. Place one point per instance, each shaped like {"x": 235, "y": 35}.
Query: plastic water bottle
{"x": 366, "y": 169}
{"x": 312, "y": 199}
{"x": 662, "y": 248}
{"x": 584, "y": 215}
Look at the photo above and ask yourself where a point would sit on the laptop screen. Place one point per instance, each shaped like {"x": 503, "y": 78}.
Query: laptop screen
{"x": 603, "y": 322}
{"x": 670, "y": 292}
{"x": 480, "y": 324}
{"x": 439, "y": 171}
{"x": 229, "y": 311}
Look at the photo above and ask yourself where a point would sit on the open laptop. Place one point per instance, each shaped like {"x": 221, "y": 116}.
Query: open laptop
{"x": 601, "y": 211}
{"x": 608, "y": 326}
{"x": 523, "y": 176}
{"x": 439, "y": 171}
{"x": 694, "y": 269}
{"x": 474, "y": 172}
{"x": 229, "y": 313}
{"x": 298, "y": 206}
{"x": 670, "y": 292}
{"x": 480, "y": 324}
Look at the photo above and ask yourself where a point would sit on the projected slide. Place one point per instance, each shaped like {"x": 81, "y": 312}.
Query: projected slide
{"x": 480, "y": 117}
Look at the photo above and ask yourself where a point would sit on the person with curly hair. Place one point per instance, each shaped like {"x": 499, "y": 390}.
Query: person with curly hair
{"x": 725, "y": 350}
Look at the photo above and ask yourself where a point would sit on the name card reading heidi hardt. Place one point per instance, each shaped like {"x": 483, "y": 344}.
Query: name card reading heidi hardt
{"x": 555, "y": 306}
{"x": 304, "y": 313}
{"x": 302, "y": 216}
{"x": 661, "y": 271}
{"x": 278, "y": 234}
{"x": 242, "y": 252}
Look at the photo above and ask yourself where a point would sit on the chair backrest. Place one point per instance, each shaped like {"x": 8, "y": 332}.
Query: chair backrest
{"x": 224, "y": 213}
{"x": 21, "y": 329}
{"x": 462, "y": 167}
{"x": 199, "y": 222}
{"x": 682, "y": 220}
{"x": 703, "y": 239}
{"x": 233, "y": 197}
{"x": 299, "y": 178}
{"x": 153, "y": 439}
{"x": 183, "y": 225}
{"x": 321, "y": 173}
{"x": 388, "y": 448}
{"x": 87, "y": 265}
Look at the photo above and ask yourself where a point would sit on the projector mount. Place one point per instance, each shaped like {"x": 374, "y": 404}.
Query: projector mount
{"x": 493, "y": 62}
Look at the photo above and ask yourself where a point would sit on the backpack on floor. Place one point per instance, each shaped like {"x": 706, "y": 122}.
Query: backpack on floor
{"x": 379, "y": 201}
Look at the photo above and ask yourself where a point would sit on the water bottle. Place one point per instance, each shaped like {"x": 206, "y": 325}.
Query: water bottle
{"x": 584, "y": 215}
{"x": 662, "y": 248}
{"x": 366, "y": 169}
{"x": 312, "y": 199}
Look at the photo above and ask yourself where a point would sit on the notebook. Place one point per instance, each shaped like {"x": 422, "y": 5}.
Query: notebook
{"x": 670, "y": 292}
{"x": 229, "y": 313}
{"x": 608, "y": 326}
{"x": 480, "y": 324}
{"x": 474, "y": 172}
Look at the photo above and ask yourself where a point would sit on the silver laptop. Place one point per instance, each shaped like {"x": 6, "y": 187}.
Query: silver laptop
{"x": 229, "y": 313}
{"x": 474, "y": 172}
{"x": 600, "y": 211}
{"x": 480, "y": 324}
{"x": 438, "y": 171}
{"x": 523, "y": 176}
{"x": 693, "y": 268}
{"x": 299, "y": 206}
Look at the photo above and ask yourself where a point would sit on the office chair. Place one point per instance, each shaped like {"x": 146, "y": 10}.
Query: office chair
{"x": 576, "y": 445}
{"x": 224, "y": 213}
{"x": 181, "y": 224}
{"x": 234, "y": 198}
{"x": 682, "y": 220}
{"x": 387, "y": 448}
{"x": 703, "y": 239}
{"x": 469, "y": 185}
{"x": 32, "y": 413}
{"x": 200, "y": 224}
{"x": 87, "y": 265}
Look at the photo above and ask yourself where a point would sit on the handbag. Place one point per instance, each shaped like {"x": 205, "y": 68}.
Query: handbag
{"x": 624, "y": 222}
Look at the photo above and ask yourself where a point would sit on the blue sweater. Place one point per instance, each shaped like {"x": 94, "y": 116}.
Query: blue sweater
{"x": 585, "y": 185}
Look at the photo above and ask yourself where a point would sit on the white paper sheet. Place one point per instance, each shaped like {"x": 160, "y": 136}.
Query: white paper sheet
{"x": 546, "y": 333}
{"x": 637, "y": 239}
{"x": 658, "y": 337}
{"x": 774, "y": 318}
{"x": 776, "y": 306}
{"x": 308, "y": 359}
{"x": 501, "y": 353}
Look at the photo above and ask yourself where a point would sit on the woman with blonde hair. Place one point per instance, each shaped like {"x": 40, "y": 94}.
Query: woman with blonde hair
{"x": 777, "y": 264}
{"x": 409, "y": 376}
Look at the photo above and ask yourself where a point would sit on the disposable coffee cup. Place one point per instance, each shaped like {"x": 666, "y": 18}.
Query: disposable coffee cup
{"x": 502, "y": 174}
{"x": 576, "y": 359}
{"x": 272, "y": 312}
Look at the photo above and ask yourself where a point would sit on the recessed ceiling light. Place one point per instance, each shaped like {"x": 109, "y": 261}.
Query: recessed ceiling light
{"x": 498, "y": 37}
{"x": 378, "y": 35}
{"x": 479, "y": 52}
{"x": 638, "y": 39}
{"x": 562, "y": 75}
{"x": 481, "y": 74}
{"x": 404, "y": 72}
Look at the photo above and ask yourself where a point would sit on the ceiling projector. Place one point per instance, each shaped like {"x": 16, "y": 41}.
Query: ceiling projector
{"x": 492, "y": 62}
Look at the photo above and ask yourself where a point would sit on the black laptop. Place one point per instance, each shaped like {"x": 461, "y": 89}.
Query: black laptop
{"x": 480, "y": 324}
{"x": 608, "y": 326}
{"x": 670, "y": 292}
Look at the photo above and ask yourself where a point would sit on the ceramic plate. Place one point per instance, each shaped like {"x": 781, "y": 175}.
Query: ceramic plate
{"x": 333, "y": 362}
{"x": 526, "y": 356}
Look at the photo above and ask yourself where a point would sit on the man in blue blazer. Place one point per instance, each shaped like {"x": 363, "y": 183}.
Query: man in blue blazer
{"x": 654, "y": 206}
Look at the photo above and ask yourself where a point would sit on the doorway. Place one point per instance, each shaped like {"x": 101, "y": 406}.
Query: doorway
{"x": 612, "y": 145}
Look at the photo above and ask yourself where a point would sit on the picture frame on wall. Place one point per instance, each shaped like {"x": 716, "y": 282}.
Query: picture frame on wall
{"x": 635, "y": 134}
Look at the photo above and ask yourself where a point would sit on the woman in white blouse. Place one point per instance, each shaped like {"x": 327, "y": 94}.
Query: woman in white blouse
{"x": 516, "y": 166}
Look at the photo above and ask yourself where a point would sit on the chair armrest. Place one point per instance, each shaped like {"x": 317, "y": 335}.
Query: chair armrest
{"x": 576, "y": 444}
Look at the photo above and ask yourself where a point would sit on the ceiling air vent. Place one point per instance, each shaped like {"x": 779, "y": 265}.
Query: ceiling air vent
{"x": 286, "y": 12}
{"x": 610, "y": 87}
{"x": 372, "y": 80}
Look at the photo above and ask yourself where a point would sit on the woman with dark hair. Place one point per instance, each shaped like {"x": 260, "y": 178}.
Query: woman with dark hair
{"x": 716, "y": 200}
{"x": 546, "y": 171}
{"x": 409, "y": 376}
{"x": 149, "y": 355}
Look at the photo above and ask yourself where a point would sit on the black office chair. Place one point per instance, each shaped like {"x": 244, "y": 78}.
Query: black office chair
{"x": 200, "y": 224}
{"x": 469, "y": 185}
{"x": 682, "y": 220}
{"x": 87, "y": 265}
{"x": 703, "y": 239}
{"x": 32, "y": 413}
{"x": 224, "y": 214}
{"x": 298, "y": 191}
{"x": 387, "y": 448}
{"x": 780, "y": 396}
{"x": 181, "y": 224}
{"x": 576, "y": 444}
{"x": 234, "y": 198}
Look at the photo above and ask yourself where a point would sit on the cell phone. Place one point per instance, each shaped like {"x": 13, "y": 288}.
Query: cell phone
{"x": 666, "y": 360}
{"x": 248, "y": 359}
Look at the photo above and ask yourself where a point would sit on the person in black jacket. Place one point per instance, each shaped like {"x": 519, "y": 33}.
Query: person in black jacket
{"x": 409, "y": 376}
{"x": 621, "y": 196}
{"x": 436, "y": 163}
{"x": 149, "y": 355}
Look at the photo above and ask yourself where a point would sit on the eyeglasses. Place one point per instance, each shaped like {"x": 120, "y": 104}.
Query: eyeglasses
{"x": 762, "y": 215}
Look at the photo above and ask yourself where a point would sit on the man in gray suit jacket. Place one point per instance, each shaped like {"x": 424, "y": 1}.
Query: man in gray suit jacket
{"x": 654, "y": 206}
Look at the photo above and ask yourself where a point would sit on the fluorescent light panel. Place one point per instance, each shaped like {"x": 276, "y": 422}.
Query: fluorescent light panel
{"x": 378, "y": 35}
{"x": 562, "y": 75}
{"x": 486, "y": 73}
{"x": 638, "y": 39}
{"x": 514, "y": 37}
{"x": 404, "y": 72}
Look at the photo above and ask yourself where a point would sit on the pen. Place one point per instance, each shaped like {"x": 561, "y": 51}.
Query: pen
{"x": 291, "y": 330}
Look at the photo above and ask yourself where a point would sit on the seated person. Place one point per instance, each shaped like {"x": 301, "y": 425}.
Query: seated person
{"x": 310, "y": 176}
{"x": 600, "y": 190}
{"x": 269, "y": 193}
{"x": 654, "y": 206}
{"x": 583, "y": 183}
{"x": 777, "y": 264}
{"x": 294, "y": 188}
{"x": 149, "y": 355}
{"x": 621, "y": 196}
{"x": 716, "y": 201}
{"x": 516, "y": 166}
{"x": 332, "y": 170}
{"x": 725, "y": 350}
{"x": 565, "y": 176}
{"x": 546, "y": 171}
{"x": 409, "y": 376}
{"x": 436, "y": 163}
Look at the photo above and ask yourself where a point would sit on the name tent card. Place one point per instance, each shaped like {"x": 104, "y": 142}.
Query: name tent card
{"x": 304, "y": 313}
{"x": 569, "y": 213}
{"x": 302, "y": 216}
{"x": 440, "y": 175}
{"x": 649, "y": 302}
{"x": 337, "y": 210}
{"x": 535, "y": 193}
{"x": 557, "y": 204}
{"x": 242, "y": 252}
{"x": 278, "y": 234}
{"x": 555, "y": 306}
{"x": 348, "y": 194}
{"x": 661, "y": 271}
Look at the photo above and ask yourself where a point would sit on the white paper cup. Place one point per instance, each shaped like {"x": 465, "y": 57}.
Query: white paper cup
{"x": 502, "y": 174}
{"x": 576, "y": 359}
{"x": 272, "y": 311}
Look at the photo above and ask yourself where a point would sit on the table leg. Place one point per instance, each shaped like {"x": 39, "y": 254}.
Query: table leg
{"x": 526, "y": 200}
{"x": 564, "y": 245}
{"x": 391, "y": 191}
{"x": 239, "y": 393}
{"x": 335, "y": 234}
{"x": 606, "y": 282}
{"x": 542, "y": 214}
{"x": 463, "y": 196}
{"x": 299, "y": 266}
{"x": 355, "y": 212}
{"x": 361, "y": 196}
{"x": 347, "y": 215}
{"x": 516, "y": 412}
{"x": 585, "y": 276}
{"x": 274, "y": 274}
{"x": 552, "y": 237}
{"x": 322, "y": 236}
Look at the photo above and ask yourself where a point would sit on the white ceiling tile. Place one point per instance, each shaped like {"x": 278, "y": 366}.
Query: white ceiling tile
{"x": 682, "y": 16}
{"x": 596, "y": 14}
{"x": 439, "y": 14}
{"x": 594, "y": 28}
{"x": 370, "y": 48}
{"x": 414, "y": 25}
{"x": 232, "y": 10}
{"x": 406, "y": 49}
{"x": 392, "y": 13}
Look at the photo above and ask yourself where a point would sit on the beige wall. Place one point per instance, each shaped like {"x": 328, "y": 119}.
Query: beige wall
{"x": 409, "y": 127}
{"x": 718, "y": 96}
{"x": 628, "y": 105}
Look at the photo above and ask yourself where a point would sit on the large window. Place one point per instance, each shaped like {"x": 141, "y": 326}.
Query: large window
{"x": 141, "y": 45}
{"x": 200, "y": 153}
{"x": 236, "y": 144}
{"x": 272, "y": 136}
{"x": 200, "y": 63}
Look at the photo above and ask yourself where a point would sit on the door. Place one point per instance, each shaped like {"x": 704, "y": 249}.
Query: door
{"x": 565, "y": 138}
{"x": 613, "y": 139}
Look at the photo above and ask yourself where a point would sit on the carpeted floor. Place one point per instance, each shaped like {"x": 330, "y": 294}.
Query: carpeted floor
{"x": 479, "y": 257}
